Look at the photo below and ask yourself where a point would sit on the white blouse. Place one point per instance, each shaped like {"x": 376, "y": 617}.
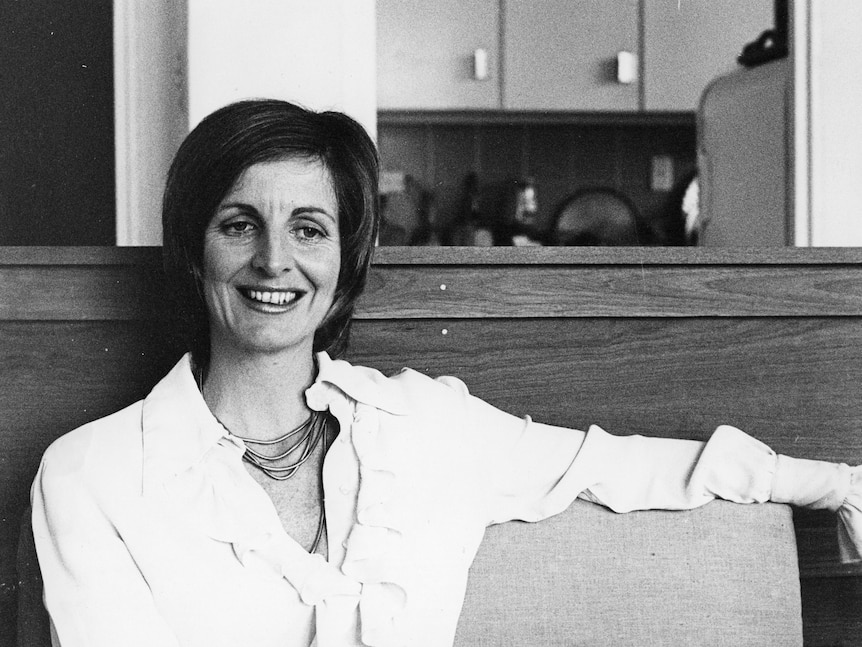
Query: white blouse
{"x": 150, "y": 531}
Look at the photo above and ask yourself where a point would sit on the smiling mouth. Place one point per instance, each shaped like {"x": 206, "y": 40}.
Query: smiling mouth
{"x": 271, "y": 297}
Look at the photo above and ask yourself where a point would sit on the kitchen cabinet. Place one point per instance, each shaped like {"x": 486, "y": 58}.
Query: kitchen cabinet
{"x": 425, "y": 54}
{"x": 561, "y": 55}
{"x": 558, "y": 55}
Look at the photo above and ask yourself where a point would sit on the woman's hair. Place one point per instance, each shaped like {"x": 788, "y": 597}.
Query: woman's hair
{"x": 212, "y": 158}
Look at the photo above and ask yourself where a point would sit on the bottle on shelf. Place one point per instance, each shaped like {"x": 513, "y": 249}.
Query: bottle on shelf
{"x": 389, "y": 233}
{"x": 470, "y": 227}
{"x": 427, "y": 233}
{"x": 522, "y": 226}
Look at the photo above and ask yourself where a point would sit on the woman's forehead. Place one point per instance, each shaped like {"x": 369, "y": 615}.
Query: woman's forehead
{"x": 286, "y": 165}
{"x": 300, "y": 176}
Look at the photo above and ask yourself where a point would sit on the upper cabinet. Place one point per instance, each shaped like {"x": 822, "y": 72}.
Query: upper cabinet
{"x": 558, "y": 55}
{"x": 562, "y": 54}
{"x": 427, "y": 50}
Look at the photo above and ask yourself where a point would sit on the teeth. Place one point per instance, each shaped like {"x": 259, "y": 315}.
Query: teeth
{"x": 275, "y": 298}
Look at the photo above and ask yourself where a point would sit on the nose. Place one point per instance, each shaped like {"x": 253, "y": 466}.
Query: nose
{"x": 274, "y": 254}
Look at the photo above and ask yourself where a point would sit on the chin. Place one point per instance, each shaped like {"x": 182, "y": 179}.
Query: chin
{"x": 264, "y": 342}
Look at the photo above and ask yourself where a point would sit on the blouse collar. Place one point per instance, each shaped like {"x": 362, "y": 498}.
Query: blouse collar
{"x": 179, "y": 429}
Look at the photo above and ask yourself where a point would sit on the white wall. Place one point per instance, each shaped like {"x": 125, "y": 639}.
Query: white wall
{"x": 320, "y": 53}
{"x": 832, "y": 98}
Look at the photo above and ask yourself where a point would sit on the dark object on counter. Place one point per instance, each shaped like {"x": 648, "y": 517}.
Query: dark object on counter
{"x": 771, "y": 44}
{"x": 389, "y": 233}
{"x": 599, "y": 216}
{"x": 678, "y": 223}
{"x": 470, "y": 227}
{"x": 427, "y": 233}
{"x": 520, "y": 227}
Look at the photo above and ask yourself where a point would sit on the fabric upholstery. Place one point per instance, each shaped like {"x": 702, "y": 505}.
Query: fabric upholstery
{"x": 723, "y": 574}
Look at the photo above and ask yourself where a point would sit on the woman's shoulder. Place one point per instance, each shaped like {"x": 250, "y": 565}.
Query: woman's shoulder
{"x": 415, "y": 386}
{"x": 97, "y": 449}
{"x": 445, "y": 384}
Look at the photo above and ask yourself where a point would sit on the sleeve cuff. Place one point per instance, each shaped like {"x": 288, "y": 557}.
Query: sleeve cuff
{"x": 821, "y": 485}
{"x": 810, "y": 484}
{"x": 850, "y": 519}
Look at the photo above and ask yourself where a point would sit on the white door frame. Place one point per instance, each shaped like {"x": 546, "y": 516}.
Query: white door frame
{"x": 150, "y": 110}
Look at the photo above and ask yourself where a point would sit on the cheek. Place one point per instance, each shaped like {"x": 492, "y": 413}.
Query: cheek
{"x": 333, "y": 271}
{"x": 212, "y": 263}
{"x": 325, "y": 266}
{"x": 217, "y": 269}
{"x": 327, "y": 287}
{"x": 220, "y": 262}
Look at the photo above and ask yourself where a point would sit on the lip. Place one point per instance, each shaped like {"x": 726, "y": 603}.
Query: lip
{"x": 269, "y": 299}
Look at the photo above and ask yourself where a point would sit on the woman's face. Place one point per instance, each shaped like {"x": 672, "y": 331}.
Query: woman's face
{"x": 272, "y": 255}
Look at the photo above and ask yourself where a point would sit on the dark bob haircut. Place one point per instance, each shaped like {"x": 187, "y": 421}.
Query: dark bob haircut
{"x": 212, "y": 158}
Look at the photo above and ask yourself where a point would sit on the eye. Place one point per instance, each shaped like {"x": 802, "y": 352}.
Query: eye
{"x": 237, "y": 227}
{"x": 310, "y": 232}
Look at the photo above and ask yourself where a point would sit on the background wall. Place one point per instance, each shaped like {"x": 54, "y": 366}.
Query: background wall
{"x": 321, "y": 54}
{"x": 834, "y": 94}
{"x": 56, "y": 123}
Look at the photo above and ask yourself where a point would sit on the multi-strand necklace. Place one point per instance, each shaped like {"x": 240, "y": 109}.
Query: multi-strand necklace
{"x": 301, "y": 443}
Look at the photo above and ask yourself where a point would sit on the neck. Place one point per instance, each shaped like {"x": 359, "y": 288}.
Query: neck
{"x": 259, "y": 396}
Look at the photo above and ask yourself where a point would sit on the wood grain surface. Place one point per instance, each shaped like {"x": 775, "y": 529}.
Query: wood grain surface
{"x": 611, "y": 291}
{"x": 794, "y": 383}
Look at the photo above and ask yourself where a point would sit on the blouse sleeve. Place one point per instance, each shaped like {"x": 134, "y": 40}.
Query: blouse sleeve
{"x": 530, "y": 471}
{"x": 94, "y": 593}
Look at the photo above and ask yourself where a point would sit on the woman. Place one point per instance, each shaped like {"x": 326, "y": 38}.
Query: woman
{"x": 206, "y": 513}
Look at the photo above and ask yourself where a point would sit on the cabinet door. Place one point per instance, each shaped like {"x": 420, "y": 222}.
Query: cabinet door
{"x": 425, "y": 54}
{"x": 689, "y": 43}
{"x": 561, "y": 54}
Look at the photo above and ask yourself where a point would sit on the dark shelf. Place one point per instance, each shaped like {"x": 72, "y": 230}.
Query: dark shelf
{"x": 506, "y": 117}
{"x": 151, "y": 256}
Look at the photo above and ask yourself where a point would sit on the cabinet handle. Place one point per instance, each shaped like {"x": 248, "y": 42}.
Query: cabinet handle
{"x": 627, "y": 67}
{"x": 480, "y": 64}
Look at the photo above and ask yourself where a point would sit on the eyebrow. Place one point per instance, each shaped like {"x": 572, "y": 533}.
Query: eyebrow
{"x": 324, "y": 212}
{"x": 296, "y": 211}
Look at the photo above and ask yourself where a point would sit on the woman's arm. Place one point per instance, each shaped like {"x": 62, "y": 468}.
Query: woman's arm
{"x": 532, "y": 471}
{"x": 94, "y": 593}
{"x": 638, "y": 473}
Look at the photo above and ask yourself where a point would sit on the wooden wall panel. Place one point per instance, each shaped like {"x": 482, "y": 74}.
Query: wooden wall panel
{"x": 832, "y": 612}
{"x": 608, "y": 291}
{"x": 794, "y": 383}
{"x": 59, "y": 375}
